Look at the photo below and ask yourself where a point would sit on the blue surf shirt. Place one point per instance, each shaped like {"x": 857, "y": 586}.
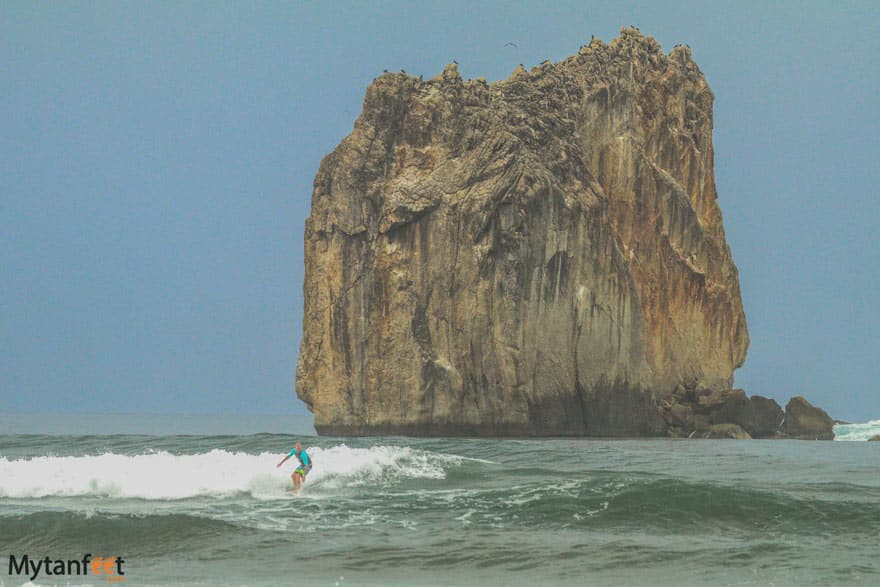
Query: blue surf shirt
{"x": 303, "y": 457}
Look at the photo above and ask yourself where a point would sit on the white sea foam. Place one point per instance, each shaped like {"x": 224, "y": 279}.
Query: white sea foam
{"x": 218, "y": 473}
{"x": 859, "y": 431}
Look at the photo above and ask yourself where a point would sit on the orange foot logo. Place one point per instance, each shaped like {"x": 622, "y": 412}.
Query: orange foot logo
{"x": 110, "y": 567}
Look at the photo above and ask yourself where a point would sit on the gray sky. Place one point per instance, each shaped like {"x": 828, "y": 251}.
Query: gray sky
{"x": 156, "y": 163}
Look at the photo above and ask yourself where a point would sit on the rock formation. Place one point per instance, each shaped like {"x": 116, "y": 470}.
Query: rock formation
{"x": 543, "y": 255}
{"x": 805, "y": 421}
{"x": 731, "y": 414}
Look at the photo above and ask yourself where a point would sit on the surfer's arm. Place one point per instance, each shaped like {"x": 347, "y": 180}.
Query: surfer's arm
{"x": 284, "y": 460}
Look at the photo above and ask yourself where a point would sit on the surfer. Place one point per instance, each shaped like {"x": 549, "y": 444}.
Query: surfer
{"x": 305, "y": 465}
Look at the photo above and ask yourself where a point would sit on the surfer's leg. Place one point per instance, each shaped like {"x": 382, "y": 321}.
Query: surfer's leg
{"x": 297, "y": 481}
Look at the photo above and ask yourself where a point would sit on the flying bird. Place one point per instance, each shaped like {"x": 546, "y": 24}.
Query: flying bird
{"x": 511, "y": 45}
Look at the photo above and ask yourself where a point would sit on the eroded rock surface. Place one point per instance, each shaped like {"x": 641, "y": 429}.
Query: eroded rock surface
{"x": 543, "y": 255}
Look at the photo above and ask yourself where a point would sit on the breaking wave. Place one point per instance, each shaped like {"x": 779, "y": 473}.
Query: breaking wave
{"x": 161, "y": 475}
{"x": 859, "y": 431}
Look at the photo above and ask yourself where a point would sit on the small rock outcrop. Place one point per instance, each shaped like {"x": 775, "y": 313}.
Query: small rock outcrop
{"x": 698, "y": 411}
{"x": 805, "y": 421}
{"x": 727, "y": 431}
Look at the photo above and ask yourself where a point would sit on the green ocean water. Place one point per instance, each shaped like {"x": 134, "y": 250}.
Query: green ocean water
{"x": 214, "y": 510}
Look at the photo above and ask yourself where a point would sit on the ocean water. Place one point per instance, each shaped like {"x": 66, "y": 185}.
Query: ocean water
{"x": 214, "y": 510}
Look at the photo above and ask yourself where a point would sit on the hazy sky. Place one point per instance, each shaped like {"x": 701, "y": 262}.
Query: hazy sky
{"x": 156, "y": 163}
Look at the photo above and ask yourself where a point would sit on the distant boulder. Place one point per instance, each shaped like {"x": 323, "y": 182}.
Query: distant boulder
{"x": 757, "y": 415}
{"x": 875, "y": 437}
{"x": 728, "y": 431}
{"x": 805, "y": 421}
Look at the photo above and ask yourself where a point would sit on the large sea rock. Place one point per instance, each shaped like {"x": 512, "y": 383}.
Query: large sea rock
{"x": 543, "y": 255}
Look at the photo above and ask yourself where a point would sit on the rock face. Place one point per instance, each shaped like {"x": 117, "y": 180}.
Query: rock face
{"x": 803, "y": 420}
{"x": 543, "y": 255}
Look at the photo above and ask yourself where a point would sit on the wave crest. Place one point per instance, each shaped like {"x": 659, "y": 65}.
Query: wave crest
{"x": 858, "y": 431}
{"x": 219, "y": 473}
